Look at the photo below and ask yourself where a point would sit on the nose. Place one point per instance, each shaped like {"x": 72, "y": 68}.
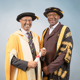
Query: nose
{"x": 51, "y": 16}
{"x": 27, "y": 22}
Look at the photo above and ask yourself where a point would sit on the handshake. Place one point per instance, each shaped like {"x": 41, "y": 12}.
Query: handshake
{"x": 33, "y": 64}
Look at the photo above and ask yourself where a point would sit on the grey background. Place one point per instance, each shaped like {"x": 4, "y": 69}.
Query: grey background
{"x": 9, "y": 9}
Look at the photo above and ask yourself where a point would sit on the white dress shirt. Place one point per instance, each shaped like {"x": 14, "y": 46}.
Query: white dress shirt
{"x": 24, "y": 32}
{"x": 52, "y": 28}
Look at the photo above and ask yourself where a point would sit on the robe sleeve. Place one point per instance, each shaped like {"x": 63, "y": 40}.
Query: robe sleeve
{"x": 21, "y": 64}
{"x": 64, "y": 54}
{"x": 56, "y": 63}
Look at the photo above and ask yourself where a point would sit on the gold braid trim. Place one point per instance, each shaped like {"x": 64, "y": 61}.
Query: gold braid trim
{"x": 63, "y": 49}
{"x": 67, "y": 57}
{"x": 60, "y": 37}
{"x": 68, "y": 34}
{"x": 59, "y": 53}
{"x": 69, "y": 51}
{"x": 56, "y": 72}
{"x": 59, "y": 72}
{"x": 64, "y": 74}
{"x": 43, "y": 37}
{"x": 67, "y": 43}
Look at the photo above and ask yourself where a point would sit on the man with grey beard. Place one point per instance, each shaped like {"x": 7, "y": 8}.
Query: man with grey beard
{"x": 22, "y": 48}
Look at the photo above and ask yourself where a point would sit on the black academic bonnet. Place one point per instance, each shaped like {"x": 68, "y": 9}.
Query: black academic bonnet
{"x": 26, "y": 14}
{"x": 53, "y": 9}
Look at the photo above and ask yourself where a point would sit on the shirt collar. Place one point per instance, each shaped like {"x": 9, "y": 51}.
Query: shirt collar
{"x": 24, "y": 31}
{"x": 54, "y": 26}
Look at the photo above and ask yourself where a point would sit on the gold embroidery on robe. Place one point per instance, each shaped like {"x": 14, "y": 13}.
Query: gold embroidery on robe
{"x": 67, "y": 43}
{"x": 68, "y": 34}
{"x": 64, "y": 74}
{"x": 59, "y": 72}
{"x": 63, "y": 49}
{"x": 59, "y": 53}
{"x": 56, "y": 72}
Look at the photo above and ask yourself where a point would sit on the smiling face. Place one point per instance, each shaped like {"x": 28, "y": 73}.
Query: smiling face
{"x": 26, "y": 23}
{"x": 53, "y": 18}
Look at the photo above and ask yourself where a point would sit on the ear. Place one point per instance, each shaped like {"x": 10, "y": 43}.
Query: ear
{"x": 58, "y": 17}
{"x": 20, "y": 20}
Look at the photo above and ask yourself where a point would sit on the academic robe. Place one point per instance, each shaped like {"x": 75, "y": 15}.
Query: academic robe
{"x": 59, "y": 46}
{"x": 18, "y": 46}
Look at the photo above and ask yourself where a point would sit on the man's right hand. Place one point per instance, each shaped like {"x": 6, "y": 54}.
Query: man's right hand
{"x": 32, "y": 64}
{"x": 45, "y": 70}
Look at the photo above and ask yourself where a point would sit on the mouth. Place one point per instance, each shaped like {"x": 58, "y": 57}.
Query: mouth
{"x": 52, "y": 20}
{"x": 27, "y": 25}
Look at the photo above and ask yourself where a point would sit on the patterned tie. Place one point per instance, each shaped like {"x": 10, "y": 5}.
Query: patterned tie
{"x": 32, "y": 47}
{"x": 31, "y": 44}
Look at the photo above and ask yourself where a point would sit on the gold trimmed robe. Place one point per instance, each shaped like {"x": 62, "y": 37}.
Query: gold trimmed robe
{"x": 64, "y": 45}
{"x": 18, "y": 45}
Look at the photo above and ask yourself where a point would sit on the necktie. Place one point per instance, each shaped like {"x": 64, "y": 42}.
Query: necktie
{"x": 31, "y": 44}
{"x": 32, "y": 47}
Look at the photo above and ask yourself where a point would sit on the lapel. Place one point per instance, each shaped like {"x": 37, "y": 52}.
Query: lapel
{"x": 54, "y": 31}
{"x": 21, "y": 34}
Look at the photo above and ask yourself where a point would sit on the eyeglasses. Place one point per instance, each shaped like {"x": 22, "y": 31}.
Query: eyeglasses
{"x": 25, "y": 20}
{"x": 54, "y": 15}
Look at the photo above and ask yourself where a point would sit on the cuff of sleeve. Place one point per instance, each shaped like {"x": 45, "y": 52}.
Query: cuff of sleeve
{"x": 25, "y": 65}
{"x": 49, "y": 70}
{"x": 21, "y": 64}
